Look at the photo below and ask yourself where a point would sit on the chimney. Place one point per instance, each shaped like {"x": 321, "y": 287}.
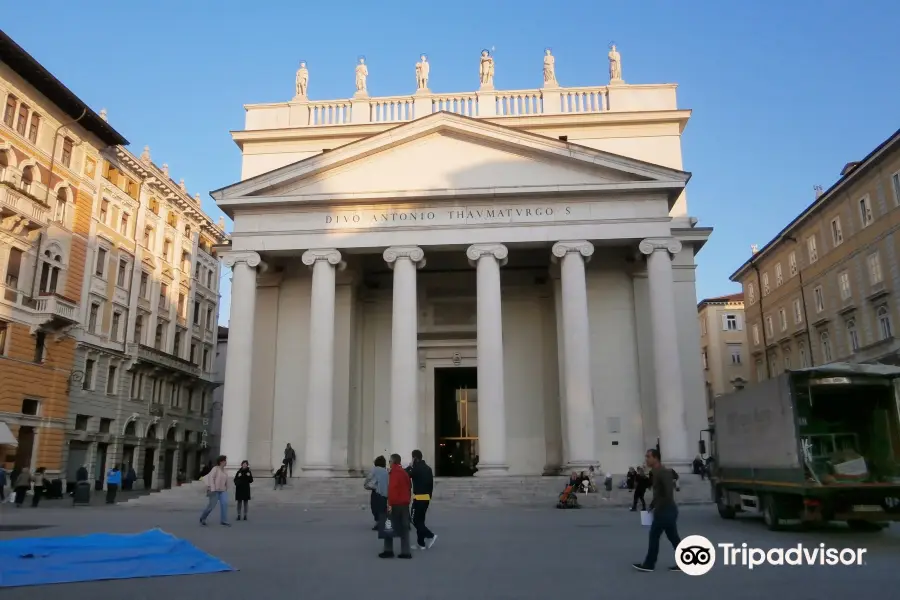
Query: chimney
{"x": 848, "y": 168}
{"x": 103, "y": 114}
{"x": 754, "y": 249}
{"x": 818, "y": 190}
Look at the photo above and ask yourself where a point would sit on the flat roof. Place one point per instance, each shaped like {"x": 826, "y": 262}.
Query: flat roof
{"x": 43, "y": 81}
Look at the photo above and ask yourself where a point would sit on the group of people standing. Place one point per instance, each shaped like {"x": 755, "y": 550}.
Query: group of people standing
{"x": 21, "y": 481}
{"x": 400, "y": 496}
{"x": 217, "y": 487}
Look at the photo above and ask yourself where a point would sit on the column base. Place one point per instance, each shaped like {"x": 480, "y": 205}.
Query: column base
{"x": 578, "y": 466}
{"x": 316, "y": 471}
{"x": 485, "y": 470}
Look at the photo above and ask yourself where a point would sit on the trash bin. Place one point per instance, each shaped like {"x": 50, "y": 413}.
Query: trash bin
{"x": 82, "y": 493}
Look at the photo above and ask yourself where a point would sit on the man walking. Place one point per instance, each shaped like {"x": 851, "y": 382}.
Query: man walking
{"x": 289, "y": 457}
{"x": 423, "y": 485}
{"x": 113, "y": 481}
{"x": 217, "y": 492}
{"x": 665, "y": 512}
{"x": 398, "y": 509}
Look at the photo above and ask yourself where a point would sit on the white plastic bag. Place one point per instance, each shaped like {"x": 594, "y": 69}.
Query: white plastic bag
{"x": 646, "y": 518}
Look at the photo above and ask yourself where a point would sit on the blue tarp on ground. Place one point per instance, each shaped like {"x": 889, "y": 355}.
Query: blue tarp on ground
{"x": 155, "y": 553}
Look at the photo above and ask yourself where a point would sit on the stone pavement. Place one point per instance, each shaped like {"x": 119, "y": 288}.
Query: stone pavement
{"x": 516, "y": 553}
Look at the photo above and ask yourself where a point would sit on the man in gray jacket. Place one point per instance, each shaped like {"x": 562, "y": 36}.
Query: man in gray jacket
{"x": 377, "y": 483}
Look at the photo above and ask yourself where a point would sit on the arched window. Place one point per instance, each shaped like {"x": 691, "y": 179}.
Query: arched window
{"x": 884, "y": 323}
{"x": 51, "y": 267}
{"x": 22, "y": 120}
{"x": 187, "y": 231}
{"x": 130, "y": 428}
{"x": 826, "y": 346}
{"x": 852, "y": 336}
{"x": 27, "y": 179}
{"x": 4, "y": 164}
{"x": 151, "y": 432}
{"x": 802, "y": 353}
{"x": 62, "y": 198}
{"x": 170, "y": 435}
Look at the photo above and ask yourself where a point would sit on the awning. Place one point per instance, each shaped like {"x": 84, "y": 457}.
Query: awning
{"x": 6, "y": 436}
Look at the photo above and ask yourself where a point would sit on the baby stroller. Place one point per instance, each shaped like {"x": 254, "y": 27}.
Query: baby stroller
{"x": 568, "y": 499}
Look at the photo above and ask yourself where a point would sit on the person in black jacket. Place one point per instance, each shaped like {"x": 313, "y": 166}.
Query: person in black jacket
{"x": 242, "y": 480}
{"x": 423, "y": 485}
{"x": 641, "y": 483}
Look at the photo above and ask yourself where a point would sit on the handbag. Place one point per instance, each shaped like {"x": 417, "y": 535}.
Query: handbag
{"x": 386, "y": 531}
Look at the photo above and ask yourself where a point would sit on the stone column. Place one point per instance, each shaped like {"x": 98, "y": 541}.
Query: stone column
{"x": 238, "y": 370}
{"x": 488, "y": 258}
{"x": 404, "y": 260}
{"x": 320, "y": 395}
{"x": 577, "y": 349}
{"x": 673, "y": 439}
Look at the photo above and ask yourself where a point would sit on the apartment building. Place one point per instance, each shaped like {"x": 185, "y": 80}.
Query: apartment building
{"x": 145, "y": 355}
{"x": 723, "y": 345}
{"x": 50, "y": 143}
{"x": 825, "y": 288}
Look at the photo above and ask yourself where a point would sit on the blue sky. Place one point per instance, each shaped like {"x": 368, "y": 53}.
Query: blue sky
{"x": 783, "y": 93}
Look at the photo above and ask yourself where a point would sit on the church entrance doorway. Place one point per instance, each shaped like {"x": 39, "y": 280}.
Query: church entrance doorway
{"x": 456, "y": 421}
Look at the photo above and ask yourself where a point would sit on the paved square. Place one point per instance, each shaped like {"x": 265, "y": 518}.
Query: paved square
{"x": 481, "y": 553}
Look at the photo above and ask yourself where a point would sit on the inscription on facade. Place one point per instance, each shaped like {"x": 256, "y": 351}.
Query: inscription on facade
{"x": 447, "y": 216}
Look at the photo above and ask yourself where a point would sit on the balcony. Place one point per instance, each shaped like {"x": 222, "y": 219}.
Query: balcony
{"x": 19, "y": 212}
{"x": 56, "y": 310}
{"x": 163, "y": 359}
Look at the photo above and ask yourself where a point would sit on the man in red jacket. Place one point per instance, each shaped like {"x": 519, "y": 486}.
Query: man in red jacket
{"x": 399, "y": 496}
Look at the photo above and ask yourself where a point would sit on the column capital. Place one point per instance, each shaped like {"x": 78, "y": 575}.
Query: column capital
{"x": 582, "y": 247}
{"x": 651, "y": 245}
{"x": 413, "y": 253}
{"x": 330, "y": 255}
{"x": 476, "y": 251}
{"x": 253, "y": 260}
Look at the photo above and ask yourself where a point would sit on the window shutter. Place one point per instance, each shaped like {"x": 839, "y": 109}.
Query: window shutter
{"x": 740, "y": 322}
{"x": 724, "y": 322}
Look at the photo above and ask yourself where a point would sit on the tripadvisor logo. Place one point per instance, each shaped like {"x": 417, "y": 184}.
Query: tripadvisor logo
{"x": 696, "y": 555}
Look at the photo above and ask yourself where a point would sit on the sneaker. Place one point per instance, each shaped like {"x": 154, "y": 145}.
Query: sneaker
{"x": 202, "y": 522}
{"x": 238, "y": 517}
{"x": 430, "y": 542}
{"x": 225, "y": 524}
{"x": 632, "y": 509}
{"x": 418, "y": 547}
{"x": 675, "y": 569}
{"x": 386, "y": 555}
{"x": 642, "y": 568}
{"x": 404, "y": 556}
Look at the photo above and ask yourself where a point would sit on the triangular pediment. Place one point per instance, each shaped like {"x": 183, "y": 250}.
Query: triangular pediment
{"x": 447, "y": 155}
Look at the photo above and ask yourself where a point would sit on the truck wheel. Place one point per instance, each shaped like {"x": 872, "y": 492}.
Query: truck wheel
{"x": 857, "y": 525}
{"x": 771, "y": 514}
{"x": 726, "y": 511}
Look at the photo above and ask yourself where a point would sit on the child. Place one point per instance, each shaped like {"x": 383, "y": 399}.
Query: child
{"x": 280, "y": 476}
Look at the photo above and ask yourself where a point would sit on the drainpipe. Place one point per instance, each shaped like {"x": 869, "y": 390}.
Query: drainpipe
{"x": 37, "y": 262}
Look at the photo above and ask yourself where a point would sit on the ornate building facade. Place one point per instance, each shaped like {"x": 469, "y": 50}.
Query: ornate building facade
{"x": 503, "y": 279}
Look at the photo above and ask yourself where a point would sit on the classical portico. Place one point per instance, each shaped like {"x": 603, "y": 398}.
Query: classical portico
{"x": 498, "y": 297}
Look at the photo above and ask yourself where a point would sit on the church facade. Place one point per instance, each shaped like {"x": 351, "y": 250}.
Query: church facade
{"x": 504, "y": 280}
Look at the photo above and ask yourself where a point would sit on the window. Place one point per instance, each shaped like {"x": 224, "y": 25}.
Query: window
{"x": 66, "y": 157}
{"x": 9, "y": 113}
{"x": 122, "y": 275}
{"x": 779, "y": 279}
{"x": 137, "y": 385}
{"x": 755, "y": 334}
{"x": 176, "y": 346}
{"x": 820, "y": 299}
{"x": 812, "y": 252}
{"x": 884, "y": 323}
{"x": 844, "y": 285}
{"x": 760, "y": 373}
{"x": 154, "y": 206}
{"x": 173, "y": 401}
{"x": 114, "y": 329}
{"x": 798, "y": 312}
{"x": 895, "y": 181}
{"x": 88, "y": 381}
{"x": 172, "y": 219}
{"x": 190, "y": 399}
{"x": 209, "y": 279}
{"x": 139, "y": 329}
{"x": 205, "y": 364}
{"x": 100, "y": 267}
{"x": 13, "y": 267}
{"x": 167, "y": 249}
{"x": 703, "y": 359}
{"x": 209, "y": 318}
{"x": 731, "y": 322}
{"x": 4, "y": 327}
{"x": 194, "y": 353}
{"x": 874, "y": 269}
{"x": 751, "y": 293}
{"x": 163, "y": 295}
{"x": 30, "y": 407}
{"x": 148, "y": 237}
{"x": 40, "y": 339}
{"x": 837, "y": 236}
{"x": 105, "y": 425}
{"x": 27, "y": 180}
{"x": 787, "y": 358}
{"x": 782, "y": 319}
{"x": 81, "y": 422}
{"x": 22, "y": 121}
{"x": 93, "y": 318}
{"x": 185, "y": 262}
{"x": 765, "y": 284}
{"x": 802, "y": 352}
{"x": 123, "y": 223}
{"x": 196, "y": 312}
{"x": 104, "y": 210}
{"x": 61, "y": 199}
{"x": 735, "y": 351}
{"x": 865, "y": 212}
{"x": 182, "y": 302}
{"x": 852, "y": 336}
{"x": 826, "y": 346}
{"x": 145, "y": 280}
{"x": 33, "y": 129}
{"x": 111, "y": 382}
{"x": 792, "y": 263}
{"x": 703, "y": 326}
{"x": 187, "y": 231}
{"x": 769, "y": 329}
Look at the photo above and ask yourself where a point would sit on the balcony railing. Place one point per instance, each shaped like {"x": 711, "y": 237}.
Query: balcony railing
{"x": 164, "y": 359}
{"x": 14, "y": 202}
{"x": 56, "y": 307}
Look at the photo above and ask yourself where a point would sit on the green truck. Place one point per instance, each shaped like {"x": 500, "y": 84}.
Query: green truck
{"x": 813, "y": 445}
